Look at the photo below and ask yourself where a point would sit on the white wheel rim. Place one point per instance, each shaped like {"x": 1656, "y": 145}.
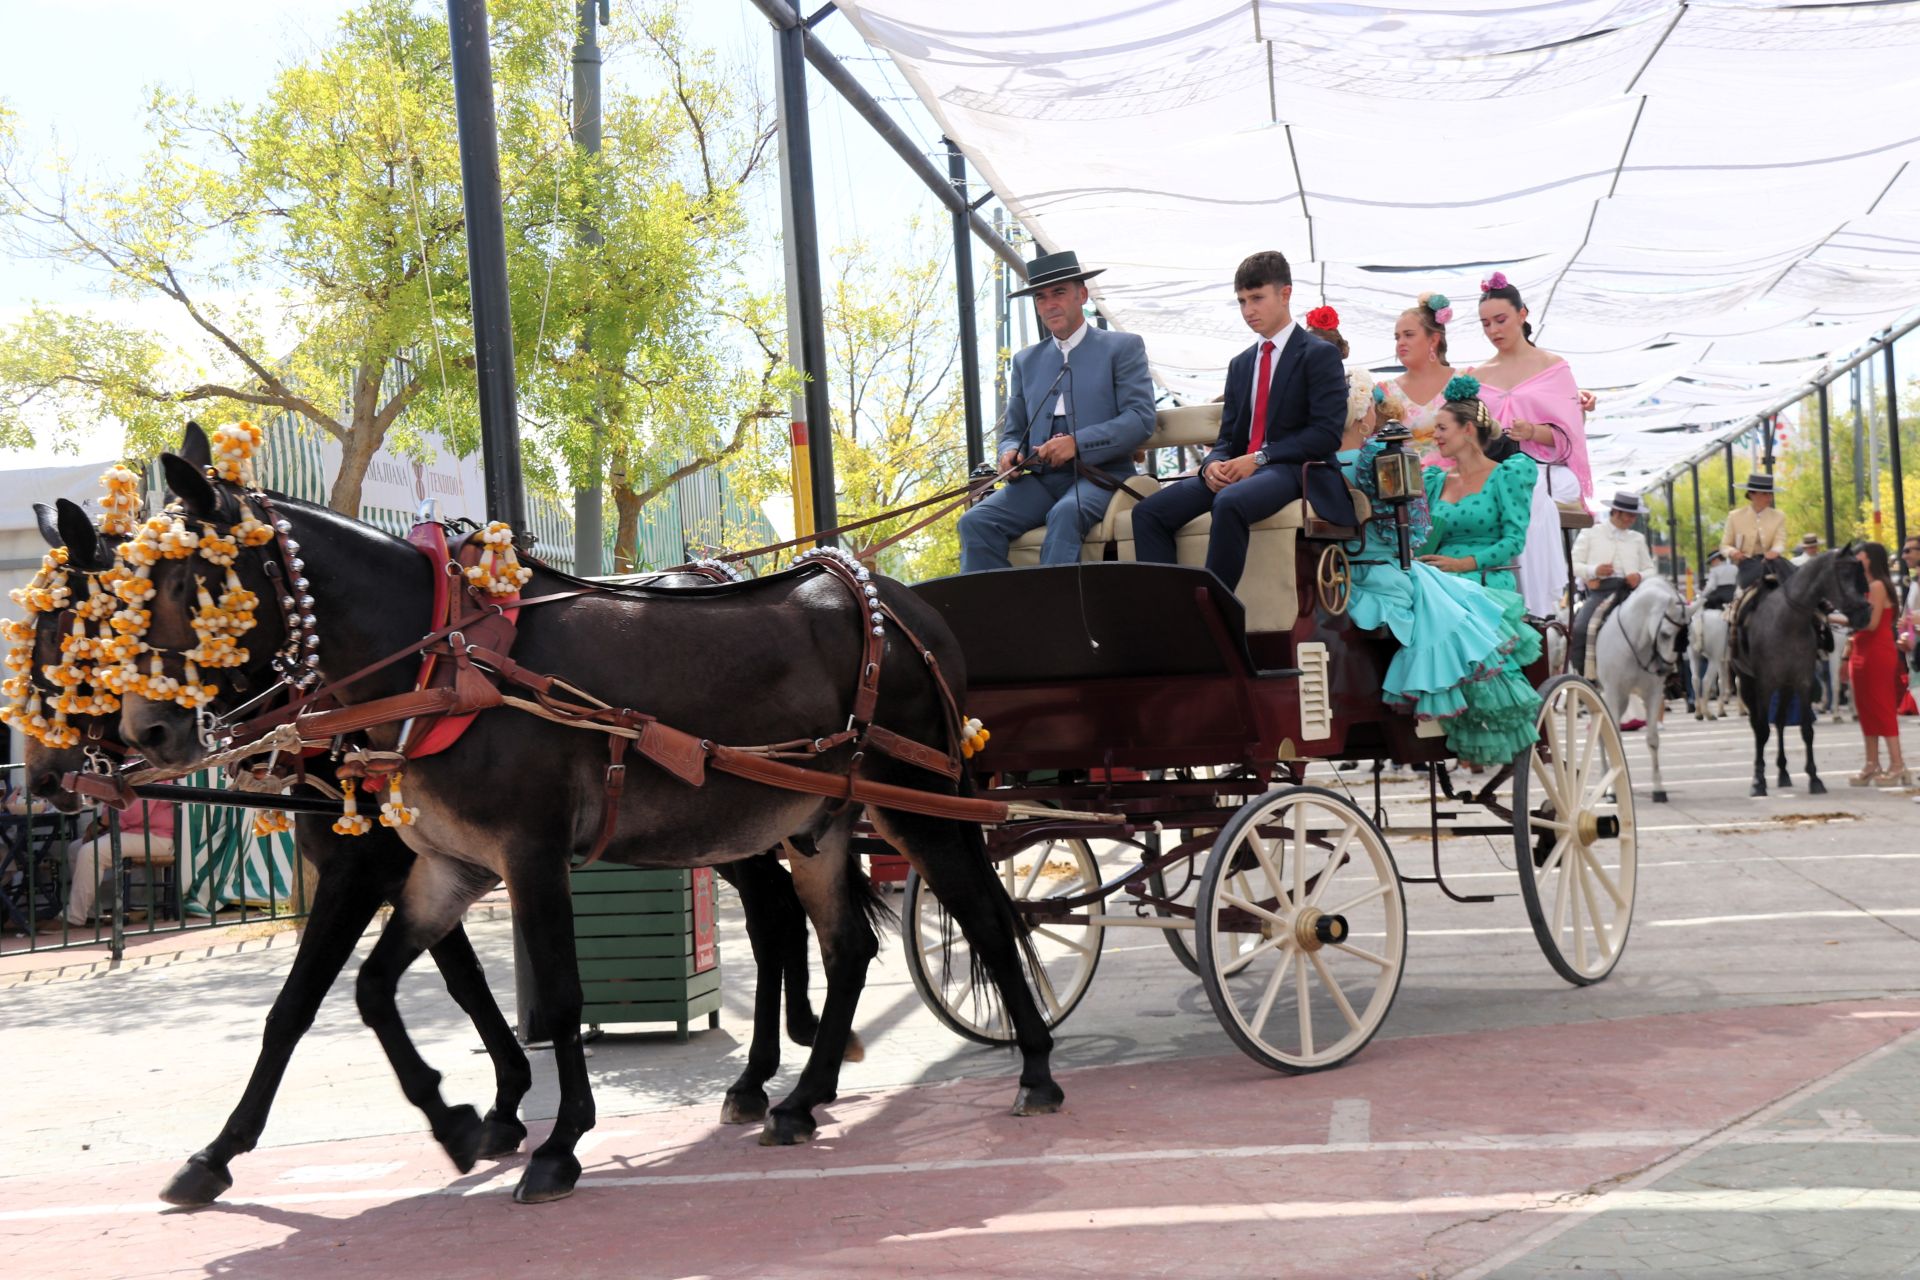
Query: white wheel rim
{"x": 1306, "y": 1005}
{"x": 1068, "y": 953}
{"x": 1584, "y": 887}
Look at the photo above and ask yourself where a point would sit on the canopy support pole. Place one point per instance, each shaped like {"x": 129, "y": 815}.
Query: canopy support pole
{"x": 1699, "y": 531}
{"x": 1826, "y": 462}
{"x": 1893, "y": 456}
{"x": 969, "y": 323}
{"x": 1673, "y": 537}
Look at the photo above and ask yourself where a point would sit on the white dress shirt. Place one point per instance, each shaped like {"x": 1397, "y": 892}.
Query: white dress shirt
{"x": 1608, "y": 544}
{"x": 1279, "y": 341}
{"x": 1066, "y": 345}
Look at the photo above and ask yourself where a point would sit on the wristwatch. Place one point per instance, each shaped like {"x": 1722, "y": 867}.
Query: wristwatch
{"x": 1259, "y": 457}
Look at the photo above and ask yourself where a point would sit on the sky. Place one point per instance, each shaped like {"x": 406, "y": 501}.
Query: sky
{"x": 89, "y": 101}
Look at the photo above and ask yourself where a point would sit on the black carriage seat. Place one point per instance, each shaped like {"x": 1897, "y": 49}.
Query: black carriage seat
{"x": 1267, "y": 588}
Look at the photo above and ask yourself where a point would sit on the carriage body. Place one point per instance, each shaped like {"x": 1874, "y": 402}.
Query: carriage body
{"x": 1176, "y": 737}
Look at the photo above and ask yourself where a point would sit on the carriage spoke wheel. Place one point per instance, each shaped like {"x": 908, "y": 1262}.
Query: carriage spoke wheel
{"x": 1574, "y": 833}
{"x": 1334, "y": 579}
{"x": 1302, "y": 933}
{"x": 941, "y": 961}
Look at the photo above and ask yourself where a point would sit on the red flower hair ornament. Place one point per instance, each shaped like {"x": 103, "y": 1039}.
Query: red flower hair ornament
{"x": 1323, "y": 318}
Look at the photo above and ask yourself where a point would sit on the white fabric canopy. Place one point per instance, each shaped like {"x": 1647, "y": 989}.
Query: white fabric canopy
{"x": 1702, "y": 203}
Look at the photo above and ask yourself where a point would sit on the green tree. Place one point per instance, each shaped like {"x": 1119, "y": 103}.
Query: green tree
{"x": 315, "y": 243}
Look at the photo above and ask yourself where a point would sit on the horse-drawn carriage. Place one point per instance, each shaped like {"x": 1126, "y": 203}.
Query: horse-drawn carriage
{"x": 1150, "y": 694}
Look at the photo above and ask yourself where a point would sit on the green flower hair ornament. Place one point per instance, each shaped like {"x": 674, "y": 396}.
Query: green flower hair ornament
{"x": 1463, "y": 387}
{"x": 1438, "y": 301}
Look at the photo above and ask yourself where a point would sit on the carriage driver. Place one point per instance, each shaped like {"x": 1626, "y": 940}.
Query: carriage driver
{"x": 1610, "y": 559}
{"x": 1756, "y": 534}
{"x": 1079, "y": 402}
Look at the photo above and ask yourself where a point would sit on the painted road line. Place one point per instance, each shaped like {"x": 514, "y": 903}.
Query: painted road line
{"x": 1730, "y": 1135}
{"x": 1690, "y": 922}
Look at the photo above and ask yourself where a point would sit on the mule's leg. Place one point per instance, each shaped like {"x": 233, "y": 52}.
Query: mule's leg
{"x": 834, "y": 894}
{"x": 437, "y": 893}
{"x": 767, "y": 933}
{"x": 1815, "y": 787}
{"x": 543, "y": 905}
{"x": 343, "y": 903}
{"x": 512, "y": 1077}
{"x": 952, "y": 857}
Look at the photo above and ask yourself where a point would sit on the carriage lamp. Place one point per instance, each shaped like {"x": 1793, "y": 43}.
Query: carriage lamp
{"x": 1398, "y": 480}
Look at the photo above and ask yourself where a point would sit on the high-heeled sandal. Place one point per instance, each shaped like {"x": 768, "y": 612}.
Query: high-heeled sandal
{"x": 1867, "y": 777}
{"x": 1897, "y": 781}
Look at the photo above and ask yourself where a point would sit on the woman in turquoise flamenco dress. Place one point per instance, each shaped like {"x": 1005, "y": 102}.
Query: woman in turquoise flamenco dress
{"x": 1462, "y": 642}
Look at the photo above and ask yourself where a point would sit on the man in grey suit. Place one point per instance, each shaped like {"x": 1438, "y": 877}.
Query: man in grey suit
{"x": 1080, "y": 396}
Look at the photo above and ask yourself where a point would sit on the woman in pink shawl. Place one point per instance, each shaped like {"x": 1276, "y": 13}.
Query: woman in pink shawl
{"x": 1531, "y": 394}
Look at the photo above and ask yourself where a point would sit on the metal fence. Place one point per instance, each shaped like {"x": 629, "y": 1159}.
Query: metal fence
{"x": 158, "y": 868}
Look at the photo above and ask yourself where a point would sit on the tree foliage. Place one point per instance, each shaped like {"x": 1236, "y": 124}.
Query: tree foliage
{"x": 314, "y": 245}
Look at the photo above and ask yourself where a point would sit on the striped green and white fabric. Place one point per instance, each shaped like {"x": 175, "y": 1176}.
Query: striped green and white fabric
{"x": 223, "y": 864}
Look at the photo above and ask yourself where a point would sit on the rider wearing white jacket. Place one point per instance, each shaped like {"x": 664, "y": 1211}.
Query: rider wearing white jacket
{"x": 1611, "y": 559}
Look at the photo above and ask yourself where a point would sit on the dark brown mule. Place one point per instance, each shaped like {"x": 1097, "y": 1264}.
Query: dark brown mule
{"x": 518, "y": 798}
{"x": 353, "y": 877}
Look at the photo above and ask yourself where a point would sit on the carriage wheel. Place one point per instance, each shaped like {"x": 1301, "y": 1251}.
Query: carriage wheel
{"x": 1574, "y": 833}
{"x": 941, "y": 962}
{"x": 1302, "y": 929}
{"x": 1334, "y": 579}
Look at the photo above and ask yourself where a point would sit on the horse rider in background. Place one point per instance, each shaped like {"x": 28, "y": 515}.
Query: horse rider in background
{"x": 1079, "y": 402}
{"x": 1756, "y": 535}
{"x": 1809, "y": 548}
{"x": 1611, "y": 559}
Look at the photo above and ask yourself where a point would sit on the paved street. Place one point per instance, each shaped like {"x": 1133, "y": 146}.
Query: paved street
{"x": 1734, "y": 1101}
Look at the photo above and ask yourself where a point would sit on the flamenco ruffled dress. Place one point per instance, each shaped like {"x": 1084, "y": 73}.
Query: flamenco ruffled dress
{"x": 1462, "y": 644}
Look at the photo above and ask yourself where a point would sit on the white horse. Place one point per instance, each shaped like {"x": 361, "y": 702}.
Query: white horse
{"x": 1713, "y": 690}
{"x": 1638, "y": 645}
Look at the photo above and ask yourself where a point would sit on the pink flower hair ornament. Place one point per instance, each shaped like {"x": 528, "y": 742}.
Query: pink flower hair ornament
{"x": 1498, "y": 280}
{"x": 1443, "y": 316}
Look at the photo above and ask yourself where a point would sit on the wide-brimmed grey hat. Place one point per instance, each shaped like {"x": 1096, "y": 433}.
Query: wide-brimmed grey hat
{"x": 1627, "y": 504}
{"x": 1054, "y": 268}
{"x": 1759, "y": 482}
{"x": 1810, "y": 540}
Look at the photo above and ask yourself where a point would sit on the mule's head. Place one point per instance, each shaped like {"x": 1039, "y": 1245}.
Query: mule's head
{"x": 64, "y": 525}
{"x": 217, "y": 610}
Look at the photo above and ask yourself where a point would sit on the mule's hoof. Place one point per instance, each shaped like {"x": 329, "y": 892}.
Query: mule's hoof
{"x": 1659, "y": 797}
{"x": 1815, "y": 787}
{"x": 500, "y": 1136}
{"x": 548, "y": 1177}
{"x": 856, "y": 1048}
{"x": 788, "y": 1129}
{"x": 462, "y": 1136}
{"x": 1038, "y": 1100}
{"x": 739, "y": 1107}
{"x": 198, "y": 1183}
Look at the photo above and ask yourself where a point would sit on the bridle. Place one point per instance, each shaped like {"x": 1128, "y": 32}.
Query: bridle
{"x": 1652, "y": 662}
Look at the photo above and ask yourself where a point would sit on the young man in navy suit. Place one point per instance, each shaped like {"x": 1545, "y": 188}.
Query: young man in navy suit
{"x": 1285, "y": 406}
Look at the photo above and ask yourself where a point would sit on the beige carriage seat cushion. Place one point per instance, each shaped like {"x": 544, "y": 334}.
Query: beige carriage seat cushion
{"x": 1115, "y": 526}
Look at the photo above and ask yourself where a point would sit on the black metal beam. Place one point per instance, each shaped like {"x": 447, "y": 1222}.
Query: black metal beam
{"x": 806, "y": 248}
{"x": 1826, "y": 462}
{"x": 1699, "y": 530}
{"x": 1893, "y": 459}
{"x": 969, "y": 323}
{"x": 781, "y": 15}
{"x": 1673, "y": 537}
{"x": 487, "y": 262}
{"x": 1732, "y": 498}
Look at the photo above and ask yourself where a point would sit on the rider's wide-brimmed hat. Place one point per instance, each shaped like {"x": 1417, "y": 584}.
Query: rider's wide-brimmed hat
{"x": 1054, "y": 268}
{"x": 1759, "y": 482}
{"x": 1627, "y": 504}
{"x": 1810, "y": 540}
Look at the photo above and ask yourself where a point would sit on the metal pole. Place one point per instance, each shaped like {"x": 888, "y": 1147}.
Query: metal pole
{"x": 800, "y": 457}
{"x": 804, "y": 232}
{"x": 1673, "y": 537}
{"x": 1002, "y": 323}
{"x": 1699, "y": 530}
{"x": 487, "y": 262}
{"x": 1771, "y": 427}
{"x": 1893, "y": 452}
{"x": 969, "y": 323}
{"x": 589, "y": 501}
{"x": 789, "y": 21}
{"x": 1826, "y": 462}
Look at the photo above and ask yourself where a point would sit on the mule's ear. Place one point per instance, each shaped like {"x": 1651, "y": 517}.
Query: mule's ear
{"x": 48, "y": 521}
{"x": 188, "y": 482}
{"x": 85, "y": 551}
{"x": 195, "y": 447}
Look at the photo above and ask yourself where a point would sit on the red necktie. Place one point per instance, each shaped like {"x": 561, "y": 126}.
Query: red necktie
{"x": 1258, "y": 436}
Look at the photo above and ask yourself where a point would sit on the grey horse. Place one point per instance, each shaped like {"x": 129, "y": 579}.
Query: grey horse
{"x": 1778, "y": 652}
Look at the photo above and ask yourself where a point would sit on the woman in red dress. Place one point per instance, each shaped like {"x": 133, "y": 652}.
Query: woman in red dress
{"x": 1873, "y": 665}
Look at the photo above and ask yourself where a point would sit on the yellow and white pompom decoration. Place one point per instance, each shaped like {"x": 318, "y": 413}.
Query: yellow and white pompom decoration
{"x": 499, "y": 572}
{"x": 269, "y": 822}
{"x": 395, "y": 812}
{"x": 352, "y": 822}
{"x": 973, "y": 738}
{"x": 120, "y": 508}
{"x": 233, "y": 450}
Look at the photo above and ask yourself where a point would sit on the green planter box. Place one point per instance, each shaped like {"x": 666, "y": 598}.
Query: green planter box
{"x": 646, "y": 946}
